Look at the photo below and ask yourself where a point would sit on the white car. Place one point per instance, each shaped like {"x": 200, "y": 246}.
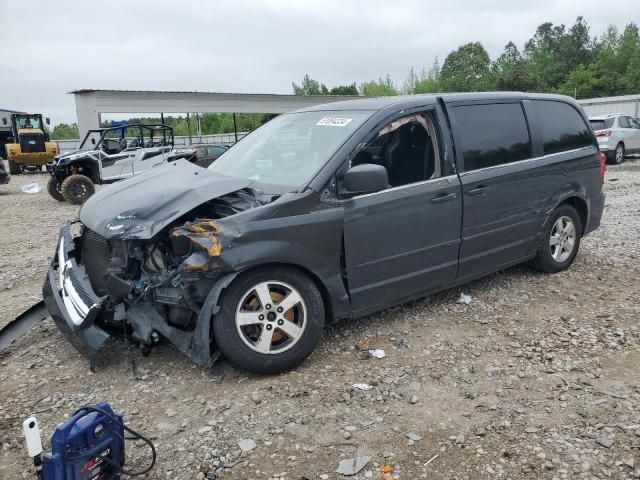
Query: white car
{"x": 618, "y": 135}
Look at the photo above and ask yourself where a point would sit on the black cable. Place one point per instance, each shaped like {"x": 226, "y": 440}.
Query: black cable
{"x": 134, "y": 434}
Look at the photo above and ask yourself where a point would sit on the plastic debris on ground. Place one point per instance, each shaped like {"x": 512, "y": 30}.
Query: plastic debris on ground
{"x": 377, "y": 353}
{"x": 351, "y": 466}
{"x": 362, "y": 386}
{"x": 386, "y": 472}
{"x": 31, "y": 188}
{"x": 464, "y": 299}
{"x": 364, "y": 352}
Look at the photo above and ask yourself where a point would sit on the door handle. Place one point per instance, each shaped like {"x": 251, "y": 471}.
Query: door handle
{"x": 443, "y": 197}
{"x": 479, "y": 190}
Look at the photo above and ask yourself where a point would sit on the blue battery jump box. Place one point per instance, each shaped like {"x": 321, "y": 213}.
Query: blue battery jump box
{"x": 87, "y": 446}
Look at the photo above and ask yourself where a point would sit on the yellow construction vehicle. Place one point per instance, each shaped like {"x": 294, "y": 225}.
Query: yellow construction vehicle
{"x": 29, "y": 148}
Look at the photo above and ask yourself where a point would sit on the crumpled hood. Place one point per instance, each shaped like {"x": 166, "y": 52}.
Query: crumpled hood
{"x": 140, "y": 207}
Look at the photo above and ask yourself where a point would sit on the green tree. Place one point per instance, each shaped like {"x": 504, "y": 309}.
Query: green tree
{"x": 350, "y": 89}
{"x": 583, "y": 82}
{"x": 511, "y": 72}
{"x": 309, "y": 86}
{"x": 65, "y": 131}
{"x": 383, "y": 87}
{"x": 430, "y": 83}
{"x": 467, "y": 69}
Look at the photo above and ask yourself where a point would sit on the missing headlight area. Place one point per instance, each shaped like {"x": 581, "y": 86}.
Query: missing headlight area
{"x": 144, "y": 289}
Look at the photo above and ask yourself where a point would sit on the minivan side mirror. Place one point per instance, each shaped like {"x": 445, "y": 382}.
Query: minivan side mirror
{"x": 48, "y": 120}
{"x": 366, "y": 178}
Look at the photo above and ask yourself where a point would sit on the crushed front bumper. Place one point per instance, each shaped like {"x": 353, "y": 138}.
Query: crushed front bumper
{"x": 70, "y": 299}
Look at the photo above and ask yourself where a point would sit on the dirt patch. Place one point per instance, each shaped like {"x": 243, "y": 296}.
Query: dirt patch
{"x": 538, "y": 377}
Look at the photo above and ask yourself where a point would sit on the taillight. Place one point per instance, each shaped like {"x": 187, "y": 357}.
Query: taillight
{"x": 603, "y": 166}
{"x": 603, "y": 133}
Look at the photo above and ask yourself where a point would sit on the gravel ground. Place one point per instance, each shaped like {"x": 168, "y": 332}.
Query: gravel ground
{"x": 538, "y": 377}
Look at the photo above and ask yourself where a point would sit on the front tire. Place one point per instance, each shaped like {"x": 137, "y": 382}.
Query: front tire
{"x": 53, "y": 187}
{"x": 15, "y": 168}
{"x": 560, "y": 240}
{"x": 270, "y": 320}
{"x": 76, "y": 189}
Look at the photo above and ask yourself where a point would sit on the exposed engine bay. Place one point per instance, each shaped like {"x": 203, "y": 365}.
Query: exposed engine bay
{"x": 146, "y": 289}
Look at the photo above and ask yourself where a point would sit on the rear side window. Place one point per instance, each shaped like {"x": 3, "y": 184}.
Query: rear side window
{"x": 492, "y": 134}
{"x": 623, "y": 122}
{"x": 561, "y": 126}
{"x": 601, "y": 124}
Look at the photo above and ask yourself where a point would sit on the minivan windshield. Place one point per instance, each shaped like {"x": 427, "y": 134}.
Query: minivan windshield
{"x": 601, "y": 123}
{"x": 291, "y": 148}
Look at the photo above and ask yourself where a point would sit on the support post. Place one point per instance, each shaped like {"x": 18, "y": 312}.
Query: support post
{"x": 235, "y": 128}
{"x": 189, "y": 127}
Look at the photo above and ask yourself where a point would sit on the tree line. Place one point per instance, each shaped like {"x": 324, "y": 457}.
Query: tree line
{"x": 556, "y": 59}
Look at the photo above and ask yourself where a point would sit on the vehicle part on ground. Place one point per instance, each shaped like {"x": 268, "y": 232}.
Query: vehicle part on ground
{"x": 53, "y": 187}
{"x": 29, "y": 147}
{"x": 22, "y": 324}
{"x": 270, "y": 320}
{"x": 76, "y": 189}
{"x": 560, "y": 240}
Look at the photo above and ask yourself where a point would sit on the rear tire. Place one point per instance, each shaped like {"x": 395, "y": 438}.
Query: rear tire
{"x": 261, "y": 336}
{"x": 53, "y": 187}
{"x": 76, "y": 189}
{"x": 15, "y": 168}
{"x": 560, "y": 240}
{"x": 617, "y": 156}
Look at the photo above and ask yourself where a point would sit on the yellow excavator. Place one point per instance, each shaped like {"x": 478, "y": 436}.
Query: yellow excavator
{"x": 29, "y": 148}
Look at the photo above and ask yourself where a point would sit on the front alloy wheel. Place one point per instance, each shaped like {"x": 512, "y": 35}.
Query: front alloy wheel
{"x": 270, "y": 319}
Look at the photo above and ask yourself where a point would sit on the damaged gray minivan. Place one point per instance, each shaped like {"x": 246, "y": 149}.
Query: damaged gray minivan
{"x": 331, "y": 212}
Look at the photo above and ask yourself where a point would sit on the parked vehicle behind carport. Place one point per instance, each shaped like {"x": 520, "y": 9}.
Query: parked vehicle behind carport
{"x": 332, "y": 212}
{"x": 105, "y": 155}
{"x": 618, "y": 135}
{"x": 205, "y": 155}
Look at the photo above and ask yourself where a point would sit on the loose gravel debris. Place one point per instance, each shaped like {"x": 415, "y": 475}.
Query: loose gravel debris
{"x": 537, "y": 377}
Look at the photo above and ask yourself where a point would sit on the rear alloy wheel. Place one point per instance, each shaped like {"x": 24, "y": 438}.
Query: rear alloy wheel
{"x": 53, "y": 187}
{"x": 618, "y": 154}
{"x": 560, "y": 241}
{"x": 270, "y": 321}
{"x": 15, "y": 168}
{"x": 76, "y": 189}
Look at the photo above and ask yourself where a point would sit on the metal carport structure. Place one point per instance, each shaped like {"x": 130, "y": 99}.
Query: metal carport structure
{"x": 91, "y": 103}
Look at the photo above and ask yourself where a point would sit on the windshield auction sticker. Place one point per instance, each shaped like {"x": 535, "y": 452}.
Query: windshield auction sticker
{"x": 334, "y": 121}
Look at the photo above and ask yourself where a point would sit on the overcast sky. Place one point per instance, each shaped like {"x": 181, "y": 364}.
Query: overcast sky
{"x": 51, "y": 47}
